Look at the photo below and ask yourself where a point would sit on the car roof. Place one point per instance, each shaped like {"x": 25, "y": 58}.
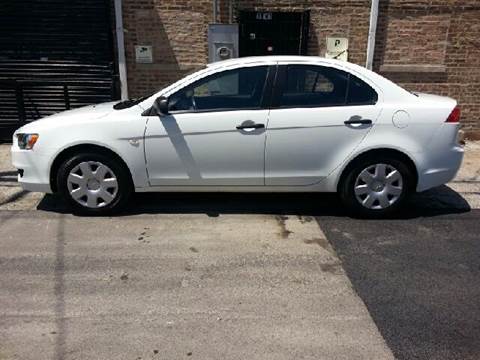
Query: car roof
{"x": 314, "y": 60}
{"x": 291, "y": 59}
{"x": 274, "y": 59}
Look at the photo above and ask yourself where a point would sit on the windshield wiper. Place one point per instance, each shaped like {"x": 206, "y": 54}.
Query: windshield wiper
{"x": 130, "y": 102}
{"x": 126, "y": 103}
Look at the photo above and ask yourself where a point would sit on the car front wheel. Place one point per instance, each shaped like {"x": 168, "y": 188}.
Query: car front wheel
{"x": 94, "y": 184}
{"x": 377, "y": 186}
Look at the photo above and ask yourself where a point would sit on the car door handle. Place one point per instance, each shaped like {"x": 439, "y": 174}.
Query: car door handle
{"x": 250, "y": 126}
{"x": 358, "y": 122}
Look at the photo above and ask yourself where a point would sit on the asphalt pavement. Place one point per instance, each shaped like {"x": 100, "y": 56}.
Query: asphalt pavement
{"x": 419, "y": 278}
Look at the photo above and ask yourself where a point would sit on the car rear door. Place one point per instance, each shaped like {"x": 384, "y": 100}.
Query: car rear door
{"x": 214, "y": 134}
{"x": 319, "y": 115}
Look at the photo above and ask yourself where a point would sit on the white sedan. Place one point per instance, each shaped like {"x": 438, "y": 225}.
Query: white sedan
{"x": 260, "y": 124}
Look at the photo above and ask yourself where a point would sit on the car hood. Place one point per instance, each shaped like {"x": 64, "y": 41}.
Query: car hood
{"x": 83, "y": 114}
{"x": 96, "y": 111}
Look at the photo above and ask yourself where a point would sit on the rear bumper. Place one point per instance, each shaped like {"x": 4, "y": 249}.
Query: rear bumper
{"x": 443, "y": 167}
{"x": 34, "y": 172}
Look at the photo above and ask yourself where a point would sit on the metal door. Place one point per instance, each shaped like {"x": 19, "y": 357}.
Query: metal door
{"x": 273, "y": 33}
{"x": 54, "y": 55}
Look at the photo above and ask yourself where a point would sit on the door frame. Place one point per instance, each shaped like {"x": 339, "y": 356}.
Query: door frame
{"x": 246, "y": 17}
{"x": 265, "y": 105}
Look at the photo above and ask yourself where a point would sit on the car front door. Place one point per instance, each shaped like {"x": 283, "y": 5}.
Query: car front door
{"x": 319, "y": 115}
{"x": 214, "y": 133}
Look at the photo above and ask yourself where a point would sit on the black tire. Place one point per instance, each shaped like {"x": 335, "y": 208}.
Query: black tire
{"x": 347, "y": 186}
{"x": 122, "y": 195}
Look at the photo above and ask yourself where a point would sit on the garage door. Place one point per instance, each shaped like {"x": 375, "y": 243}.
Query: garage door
{"x": 54, "y": 55}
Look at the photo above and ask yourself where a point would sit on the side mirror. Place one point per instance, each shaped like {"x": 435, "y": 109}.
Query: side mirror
{"x": 161, "y": 105}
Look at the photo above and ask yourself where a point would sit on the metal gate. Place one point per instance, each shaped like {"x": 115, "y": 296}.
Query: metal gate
{"x": 54, "y": 55}
{"x": 273, "y": 33}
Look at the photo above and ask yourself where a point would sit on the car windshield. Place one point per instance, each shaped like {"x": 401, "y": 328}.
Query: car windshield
{"x": 124, "y": 104}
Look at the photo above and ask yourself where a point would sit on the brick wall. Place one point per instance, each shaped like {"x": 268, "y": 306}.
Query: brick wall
{"x": 424, "y": 45}
{"x": 327, "y": 18}
{"x": 433, "y": 46}
{"x": 177, "y": 30}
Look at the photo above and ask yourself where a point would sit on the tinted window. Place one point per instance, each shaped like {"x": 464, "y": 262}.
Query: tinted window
{"x": 311, "y": 86}
{"x": 314, "y": 86}
{"x": 233, "y": 89}
{"x": 360, "y": 93}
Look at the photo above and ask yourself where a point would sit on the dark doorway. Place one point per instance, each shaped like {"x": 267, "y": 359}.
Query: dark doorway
{"x": 273, "y": 33}
{"x": 54, "y": 55}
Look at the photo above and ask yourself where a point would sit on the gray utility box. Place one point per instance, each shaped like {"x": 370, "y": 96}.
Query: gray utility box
{"x": 222, "y": 42}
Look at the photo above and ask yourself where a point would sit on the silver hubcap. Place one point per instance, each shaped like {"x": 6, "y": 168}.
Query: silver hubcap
{"x": 92, "y": 184}
{"x": 378, "y": 186}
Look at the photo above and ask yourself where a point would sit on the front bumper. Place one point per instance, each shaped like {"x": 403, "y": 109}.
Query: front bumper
{"x": 34, "y": 174}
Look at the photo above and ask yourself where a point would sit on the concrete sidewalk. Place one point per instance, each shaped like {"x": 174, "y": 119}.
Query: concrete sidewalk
{"x": 175, "y": 286}
{"x": 467, "y": 181}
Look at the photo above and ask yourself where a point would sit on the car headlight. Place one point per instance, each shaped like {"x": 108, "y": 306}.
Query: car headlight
{"x": 26, "y": 141}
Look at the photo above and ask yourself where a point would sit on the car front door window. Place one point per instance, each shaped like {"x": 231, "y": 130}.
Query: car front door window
{"x": 229, "y": 90}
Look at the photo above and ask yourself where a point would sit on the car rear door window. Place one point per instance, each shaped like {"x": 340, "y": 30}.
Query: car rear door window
{"x": 312, "y": 86}
{"x": 319, "y": 86}
{"x": 229, "y": 90}
{"x": 360, "y": 93}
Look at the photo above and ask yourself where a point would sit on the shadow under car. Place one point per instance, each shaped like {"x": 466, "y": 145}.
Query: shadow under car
{"x": 439, "y": 201}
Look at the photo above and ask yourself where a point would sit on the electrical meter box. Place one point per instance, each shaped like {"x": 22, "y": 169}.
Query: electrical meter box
{"x": 222, "y": 42}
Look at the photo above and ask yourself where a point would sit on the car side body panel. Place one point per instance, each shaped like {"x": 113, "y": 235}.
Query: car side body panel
{"x": 299, "y": 149}
{"x": 118, "y": 131}
{"x": 413, "y": 125}
{"x": 205, "y": 149}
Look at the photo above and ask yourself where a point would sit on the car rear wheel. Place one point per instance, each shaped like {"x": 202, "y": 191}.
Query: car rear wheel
{"x": 94, "y": 184}
{"x": 377, "y": 186}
